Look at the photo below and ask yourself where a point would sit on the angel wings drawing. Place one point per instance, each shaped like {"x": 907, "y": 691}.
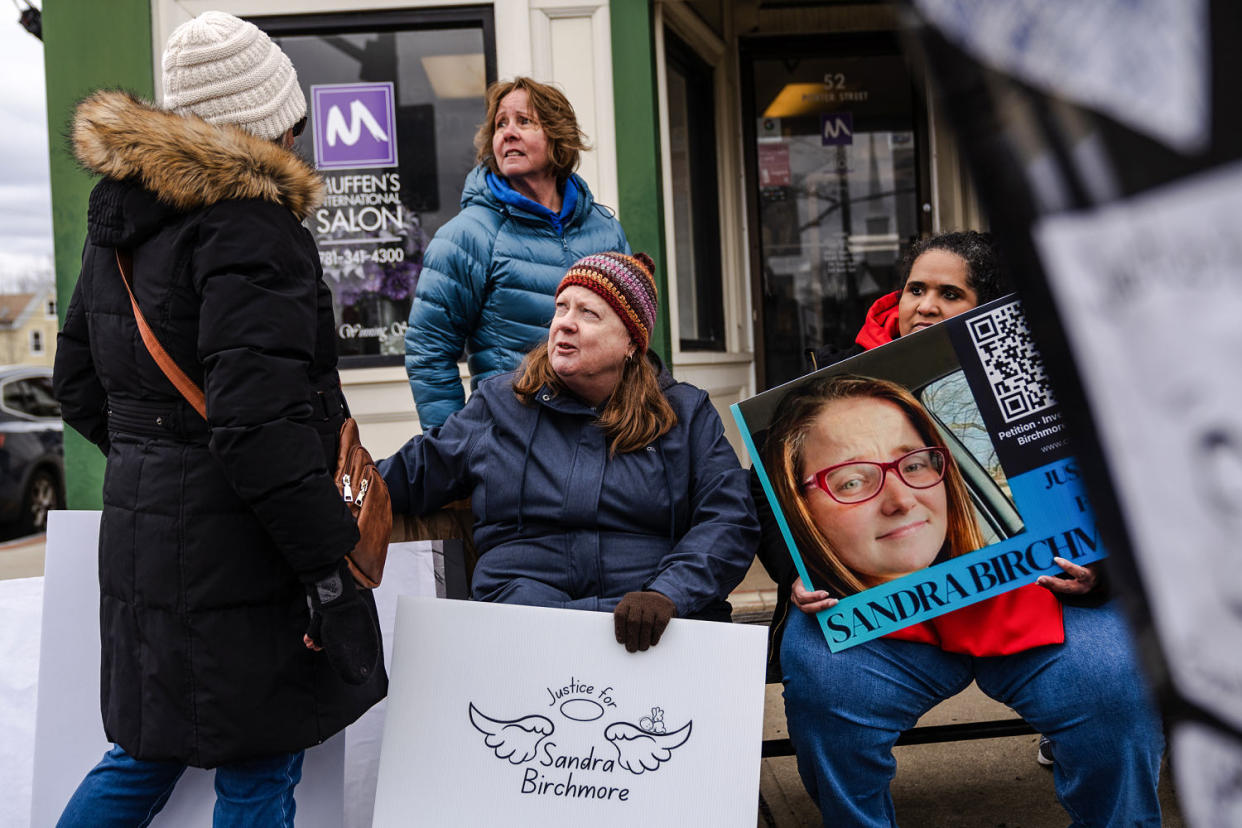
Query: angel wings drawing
{"x": 517, "y": 739}
{"x": 639, "y": 748}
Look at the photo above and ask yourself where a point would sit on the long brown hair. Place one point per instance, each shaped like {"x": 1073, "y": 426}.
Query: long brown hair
{"x": 635, "y": 415}
{"x": 556, "y": 118}
{"x": 784, "y": 455}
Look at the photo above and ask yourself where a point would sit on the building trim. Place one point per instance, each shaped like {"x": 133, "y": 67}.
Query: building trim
{"x": 87, "y": 45}
{"x": 639, "y": 196}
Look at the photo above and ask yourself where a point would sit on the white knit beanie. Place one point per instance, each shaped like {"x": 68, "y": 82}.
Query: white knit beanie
{"x": 226, "y": 70}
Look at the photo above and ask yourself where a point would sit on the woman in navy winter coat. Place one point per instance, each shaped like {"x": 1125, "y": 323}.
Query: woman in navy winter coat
{"x": 597, "y": 482}
{"x": 488, "y": 275}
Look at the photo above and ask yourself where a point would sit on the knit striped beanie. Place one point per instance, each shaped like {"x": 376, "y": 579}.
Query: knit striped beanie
{"x": 226, "y": 70}
{"x": 626, "y": 283}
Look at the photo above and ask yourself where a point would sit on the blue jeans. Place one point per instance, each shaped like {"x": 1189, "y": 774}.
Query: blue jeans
{"x": 845, "y": 711}
{"x": 124, "y": 792}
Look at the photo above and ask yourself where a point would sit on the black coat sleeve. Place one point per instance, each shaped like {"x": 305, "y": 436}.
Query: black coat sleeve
{"x": 256, "y": 270}
{"x": 83, "y": 401}
{"x": 433, "y": 468}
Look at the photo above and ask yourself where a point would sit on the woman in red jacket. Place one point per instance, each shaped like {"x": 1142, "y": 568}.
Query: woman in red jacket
{"x": 945, "y": 275}
{"x": 1068, "y": 670}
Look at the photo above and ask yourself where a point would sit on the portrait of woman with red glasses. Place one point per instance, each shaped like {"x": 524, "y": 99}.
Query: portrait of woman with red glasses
{"x": 871, "y": 493}
{"x": 836, "y": 444}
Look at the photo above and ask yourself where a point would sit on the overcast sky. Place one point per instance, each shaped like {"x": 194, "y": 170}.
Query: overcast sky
{"x": 25, "y": 194}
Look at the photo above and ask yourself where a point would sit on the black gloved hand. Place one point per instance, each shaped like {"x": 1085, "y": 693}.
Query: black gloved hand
{"x": 342, "y": 626}
{"x": 641, "y": 617}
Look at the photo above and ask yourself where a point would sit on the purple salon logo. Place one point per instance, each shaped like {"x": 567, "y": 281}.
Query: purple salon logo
{"x": 836, "y": 128}
{"x": 355, "y": 125}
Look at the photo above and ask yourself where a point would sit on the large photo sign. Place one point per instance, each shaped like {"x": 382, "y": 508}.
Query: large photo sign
{"x": 962, "y": 414}
{"x": 508, "y": 715}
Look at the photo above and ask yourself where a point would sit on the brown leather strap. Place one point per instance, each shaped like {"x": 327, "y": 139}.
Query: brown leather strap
{"x": 192, "y": 393}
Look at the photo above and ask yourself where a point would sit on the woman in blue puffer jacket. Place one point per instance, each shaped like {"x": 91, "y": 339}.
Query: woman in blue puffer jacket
{"x": 488, "y": 275}
{"x": 597, "y": 482}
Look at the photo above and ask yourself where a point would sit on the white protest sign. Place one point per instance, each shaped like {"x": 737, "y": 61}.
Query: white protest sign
{"x": 1209, "y": 776}
{"x": 409, "y": 570}
{"x": 69, "y": 735}
{"x": 1142, "y": 62}
{"x": 519, "y": 716}
{"x": 21, "y": 602}
{"x": 1148, "y": 290}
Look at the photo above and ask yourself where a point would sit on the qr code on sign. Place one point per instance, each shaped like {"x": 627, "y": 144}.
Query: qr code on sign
{"x": 1013, "y": 366}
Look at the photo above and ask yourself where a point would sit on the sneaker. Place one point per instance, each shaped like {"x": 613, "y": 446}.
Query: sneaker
{"x": 1044, "y": 755}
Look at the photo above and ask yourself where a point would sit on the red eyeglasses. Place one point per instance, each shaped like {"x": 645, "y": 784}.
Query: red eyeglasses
{"x": 860, "y": 480}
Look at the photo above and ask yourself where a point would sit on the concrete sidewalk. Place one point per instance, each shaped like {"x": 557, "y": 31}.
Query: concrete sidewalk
{"x": 22, "y": 557}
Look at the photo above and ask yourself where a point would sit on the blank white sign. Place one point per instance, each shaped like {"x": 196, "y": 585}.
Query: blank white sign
{"x": 69, "y": 739}
{"x": 69, "y": 735}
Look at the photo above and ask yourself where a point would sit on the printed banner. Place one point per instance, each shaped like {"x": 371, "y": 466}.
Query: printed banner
{"x": 507, "y": 715}
{"x": 1000, "y": 470}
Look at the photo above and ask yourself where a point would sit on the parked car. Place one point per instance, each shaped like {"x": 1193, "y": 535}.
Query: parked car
{"x": 32, "y": 454}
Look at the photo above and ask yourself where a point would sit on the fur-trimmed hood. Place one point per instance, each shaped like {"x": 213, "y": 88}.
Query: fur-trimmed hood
{"x": 186, "y": 162}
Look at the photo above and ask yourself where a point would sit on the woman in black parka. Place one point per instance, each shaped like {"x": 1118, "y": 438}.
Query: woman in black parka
{"x": 216, "y": 533}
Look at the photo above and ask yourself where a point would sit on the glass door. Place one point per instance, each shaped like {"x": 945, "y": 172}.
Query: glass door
{"x": 835, "y": 176}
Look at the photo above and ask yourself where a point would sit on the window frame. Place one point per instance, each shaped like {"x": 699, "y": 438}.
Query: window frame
{"x": 701, "y": 149}
{"x": 786, "y": 46}
{"x": 387, "y": 20}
